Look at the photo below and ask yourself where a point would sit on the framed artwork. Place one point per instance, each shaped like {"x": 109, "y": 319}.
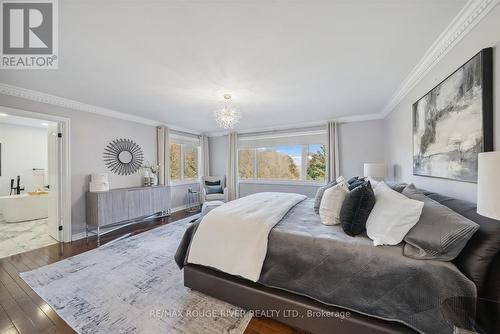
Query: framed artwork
{"x": 453, "y": 122}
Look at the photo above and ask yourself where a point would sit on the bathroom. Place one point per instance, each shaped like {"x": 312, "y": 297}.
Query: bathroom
{"x": 25, "y": 198}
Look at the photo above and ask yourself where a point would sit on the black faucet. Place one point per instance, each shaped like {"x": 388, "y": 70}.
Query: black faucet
{"x": 17, "y": 189}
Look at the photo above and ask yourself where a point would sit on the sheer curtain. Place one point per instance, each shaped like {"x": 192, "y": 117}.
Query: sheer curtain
{"x": 205, "y": 156}
{"x": 332, "y": 161}
{"x": 232, "y": 167}
{"x": 163, "y": 154}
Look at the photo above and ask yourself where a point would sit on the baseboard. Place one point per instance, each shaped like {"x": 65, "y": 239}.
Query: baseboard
{"x": 179, "y": 208}
{"x": 83, "y": 235}
{"x": 78, "y": 236}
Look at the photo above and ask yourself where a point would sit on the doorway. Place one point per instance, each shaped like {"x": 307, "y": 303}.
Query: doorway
{"x": 34, "y": 191}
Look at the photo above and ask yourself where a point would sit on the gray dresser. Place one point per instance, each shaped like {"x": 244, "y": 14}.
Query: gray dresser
{"x": 125, "y": 205}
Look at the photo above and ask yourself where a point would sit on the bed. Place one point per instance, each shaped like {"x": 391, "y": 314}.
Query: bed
{"x": 316, "y": 278}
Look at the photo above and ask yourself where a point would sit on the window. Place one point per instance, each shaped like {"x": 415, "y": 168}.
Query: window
{"x": 246, "y": 163}
{"x": 316, "y": 162}
{"x": 184, "y": 159}
{"x": 175, "y": 162}
{"x": 298, "y": 157}
{"x": 190, "y": 162}
{"x": 279, "y": 163}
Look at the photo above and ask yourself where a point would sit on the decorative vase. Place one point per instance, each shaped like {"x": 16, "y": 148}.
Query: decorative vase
{"x": 146, "y": 178}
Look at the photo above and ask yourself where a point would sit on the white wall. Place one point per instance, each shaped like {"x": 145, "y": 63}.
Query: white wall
{"x": 23, "y": 148}
{"x": 359, "y": 142}
{"x": 398, "y": 125}
{"x": 90, "y": 134}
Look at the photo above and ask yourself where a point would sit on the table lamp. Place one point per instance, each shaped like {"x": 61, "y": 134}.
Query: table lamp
{"x": 376, "y": 171}
{"x": 488, "y": 185}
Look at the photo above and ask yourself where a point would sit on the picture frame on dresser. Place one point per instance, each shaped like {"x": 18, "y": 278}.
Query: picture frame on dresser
{"x": 453, "y": 122}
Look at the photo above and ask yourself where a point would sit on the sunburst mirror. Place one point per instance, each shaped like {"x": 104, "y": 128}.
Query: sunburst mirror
{"x": 123, "y": 157}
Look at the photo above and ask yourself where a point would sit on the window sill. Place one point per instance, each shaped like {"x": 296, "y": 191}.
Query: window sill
{"x": 184, "y": 183}
{"x": 284, "y": 182}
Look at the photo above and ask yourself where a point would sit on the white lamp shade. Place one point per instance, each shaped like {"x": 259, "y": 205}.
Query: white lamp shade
{"x": 375, "y": 170}
{"x": 488, "y": 185}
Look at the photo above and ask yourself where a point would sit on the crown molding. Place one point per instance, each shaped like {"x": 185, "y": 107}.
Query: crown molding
{"x": 468, "y": 17}
{"x": 37, "y": 96}
{"x": 33, "y": 95}
{"x": 345, "y": 119}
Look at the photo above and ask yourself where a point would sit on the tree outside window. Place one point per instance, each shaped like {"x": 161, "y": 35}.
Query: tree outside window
{"x": 183, "y": 162}
{"x": 175, "y": 162}
{"x": 190, "y": 162}
{"x": 316, "y": 162}
{"x": 295, "y": 162}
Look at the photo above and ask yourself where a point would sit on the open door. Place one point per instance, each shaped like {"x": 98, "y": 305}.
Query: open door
{"x": 54, "y": 182}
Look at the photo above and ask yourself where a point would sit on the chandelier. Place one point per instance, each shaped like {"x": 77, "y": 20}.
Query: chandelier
{"x": 227, "y": 116}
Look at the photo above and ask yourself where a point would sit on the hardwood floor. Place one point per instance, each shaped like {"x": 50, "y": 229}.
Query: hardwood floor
{"x": 23, "y": 311}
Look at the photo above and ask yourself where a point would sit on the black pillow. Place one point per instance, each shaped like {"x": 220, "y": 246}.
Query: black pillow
{"x": 212, "y": 183}
{"x": 352, "y": 179}
{"x": 356, "y": 184}
{"x": 356, "y": 208}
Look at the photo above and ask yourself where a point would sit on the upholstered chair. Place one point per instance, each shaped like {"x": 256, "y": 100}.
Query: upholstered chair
{"x": 206, "y": 194}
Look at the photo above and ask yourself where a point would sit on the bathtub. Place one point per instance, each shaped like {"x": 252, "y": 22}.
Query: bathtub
{"x": 24, "y": 207}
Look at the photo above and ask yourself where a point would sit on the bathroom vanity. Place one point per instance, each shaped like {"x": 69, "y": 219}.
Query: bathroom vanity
{"x": 119, "y": 207}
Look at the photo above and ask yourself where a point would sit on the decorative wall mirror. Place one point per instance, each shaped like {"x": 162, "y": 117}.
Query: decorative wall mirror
{"x": 123, "y": 157}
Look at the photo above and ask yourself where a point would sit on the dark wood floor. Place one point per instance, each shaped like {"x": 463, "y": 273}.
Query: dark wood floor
{"x": 23, "y": 311}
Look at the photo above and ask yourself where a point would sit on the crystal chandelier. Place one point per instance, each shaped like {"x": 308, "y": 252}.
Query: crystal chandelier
{"x": 227, "y": 116}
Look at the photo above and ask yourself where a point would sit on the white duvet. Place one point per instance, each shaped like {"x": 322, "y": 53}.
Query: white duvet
{"x": 233, "y": 237}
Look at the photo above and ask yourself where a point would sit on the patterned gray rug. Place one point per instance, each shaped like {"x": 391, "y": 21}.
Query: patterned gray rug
{"x": 132, "y": 286}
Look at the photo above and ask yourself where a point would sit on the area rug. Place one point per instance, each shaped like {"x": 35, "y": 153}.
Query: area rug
{"x": 133, "y": 286}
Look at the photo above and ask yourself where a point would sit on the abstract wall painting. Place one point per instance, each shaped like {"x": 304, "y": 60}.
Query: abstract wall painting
{"x": 453, "y": 122}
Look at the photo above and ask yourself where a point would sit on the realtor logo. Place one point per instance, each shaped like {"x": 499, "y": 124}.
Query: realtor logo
{"x": 29, "y": 34}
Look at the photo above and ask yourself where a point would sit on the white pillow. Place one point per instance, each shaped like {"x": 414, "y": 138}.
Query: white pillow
{"x": 392, "y": 216}
{"x": 374, "y": 183}
{"x": 331, "y": 203}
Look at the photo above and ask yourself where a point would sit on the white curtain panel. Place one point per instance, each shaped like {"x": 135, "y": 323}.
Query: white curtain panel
{"x": 232, "y": 167}
{"x": 205, "y": 156}
{"x": 332, "y": 161}
{"x": 163, "y": 154}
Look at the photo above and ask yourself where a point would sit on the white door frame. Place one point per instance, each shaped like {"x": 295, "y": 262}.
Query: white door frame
{"x": 65, "y": 170}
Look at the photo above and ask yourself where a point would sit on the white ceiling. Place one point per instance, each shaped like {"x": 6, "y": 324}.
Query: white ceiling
{"x": 284, "y": 62}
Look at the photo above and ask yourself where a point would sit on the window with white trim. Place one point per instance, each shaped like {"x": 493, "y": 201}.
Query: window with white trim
{"x": 298, "y": 156}
{"x": 184, "y": 159}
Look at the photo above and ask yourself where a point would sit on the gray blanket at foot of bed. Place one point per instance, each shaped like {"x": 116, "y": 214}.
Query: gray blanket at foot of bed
{"x": 323, "y": 263}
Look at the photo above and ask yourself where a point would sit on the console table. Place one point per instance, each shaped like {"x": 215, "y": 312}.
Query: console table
{"x": 120, "y": 207}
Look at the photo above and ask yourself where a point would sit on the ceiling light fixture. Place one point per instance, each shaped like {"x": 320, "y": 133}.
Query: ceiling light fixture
{"x": 3, "y": 114}
{"x": 227, "y": 116}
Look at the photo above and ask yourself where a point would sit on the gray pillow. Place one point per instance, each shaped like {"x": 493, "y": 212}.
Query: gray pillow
{"x": 319, "y": 195}
{"x": 214, "y": 190}
{"x": 440, "y": 233}
{"x": 399, "y": 187}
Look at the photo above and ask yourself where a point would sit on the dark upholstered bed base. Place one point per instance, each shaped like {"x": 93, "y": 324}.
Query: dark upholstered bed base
{"x": 253, "y": 296}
